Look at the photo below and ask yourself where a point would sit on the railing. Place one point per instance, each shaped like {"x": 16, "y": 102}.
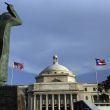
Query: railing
{"x": 100, "y": 101}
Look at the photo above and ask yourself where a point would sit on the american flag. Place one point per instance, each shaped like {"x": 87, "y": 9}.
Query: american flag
{"x": 100, "y": 62}
{"x": 18, "y": 65}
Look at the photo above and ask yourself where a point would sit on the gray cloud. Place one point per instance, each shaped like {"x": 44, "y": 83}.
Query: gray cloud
{"x": 77, "y": 31}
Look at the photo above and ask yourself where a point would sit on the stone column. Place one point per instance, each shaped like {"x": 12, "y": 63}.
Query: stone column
{"x": 65, "y": 101}
{"x": 40, "y": 101}
{"x": 109, "y": 98}
{"x": 31, "y": 102}
{"x": 92, "y": 99}
{"x": 46, "y": 101}
{"x": 71, "y": 102}
{"x": 35, "y": 102}
{"x": 52, "y": 101}
{"x": 77, "y": 97}
{"x": 58, "y": 101}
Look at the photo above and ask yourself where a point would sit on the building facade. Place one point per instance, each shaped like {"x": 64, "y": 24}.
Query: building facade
{"x": 56, "y": 89}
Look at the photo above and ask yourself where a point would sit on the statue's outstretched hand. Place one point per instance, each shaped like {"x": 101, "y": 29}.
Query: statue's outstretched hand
{"x": 9, "y": 8}
{"x": 6, "y": 3}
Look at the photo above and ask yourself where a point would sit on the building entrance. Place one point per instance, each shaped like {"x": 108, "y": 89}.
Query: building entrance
{"x": 43, "y": 108}
{"x": 68, "y": 108}
{"x": 62, "y": 108}
{"x": 49, "y": 108}
{"x": 56, "y": 108}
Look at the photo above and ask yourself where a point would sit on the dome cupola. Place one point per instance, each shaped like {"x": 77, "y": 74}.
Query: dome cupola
{"x": 55, "y": 59}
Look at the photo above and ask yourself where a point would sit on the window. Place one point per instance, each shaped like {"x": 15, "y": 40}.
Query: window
{"x": 50, "y": 105}
{"x": 62, "y": 96}
{"x": 43, "y": 97}
{"x": 56, "y": 96}
{"x": 55, "y": 72}
{"x": 26, "y": 89}
{"x": 50, "y": 97}
{"x": 38, "y": 97}
{"x": 94, "y": 89}
{"x": 67, "y": 96}
{"x": 74, "y": 96}
{"x": 62, "y": 105}
{"x": 95, "y": 98}
{"x": 43, "y": 105}
{"x": 26, "y": 97}
{"x": 68, "y": 105}
{"x": 56, "y": 80}
{"x": 85, "y": 89}
{"x": 86, "y": 97}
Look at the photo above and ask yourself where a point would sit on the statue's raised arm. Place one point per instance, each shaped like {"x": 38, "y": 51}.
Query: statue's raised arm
{"x": 13, "y": 14}
{"x": 7, "y": 20}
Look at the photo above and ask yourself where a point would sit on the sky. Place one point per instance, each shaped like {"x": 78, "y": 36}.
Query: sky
{"x": 77, "y": 31}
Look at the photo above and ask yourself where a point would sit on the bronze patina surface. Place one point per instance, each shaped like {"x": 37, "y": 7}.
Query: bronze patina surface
{"x": 7, "y": 20}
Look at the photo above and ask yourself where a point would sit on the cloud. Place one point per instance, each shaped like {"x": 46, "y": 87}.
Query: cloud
{"x": 77, "y": 31}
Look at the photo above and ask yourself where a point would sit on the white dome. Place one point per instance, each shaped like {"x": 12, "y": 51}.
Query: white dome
{"x": 55, "y": 67}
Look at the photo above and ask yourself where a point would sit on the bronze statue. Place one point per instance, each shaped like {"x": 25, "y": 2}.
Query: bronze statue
{"x": 7, "y": 20}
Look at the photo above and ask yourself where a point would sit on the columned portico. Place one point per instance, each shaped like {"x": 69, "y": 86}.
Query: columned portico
{"x": 50, "y": 103}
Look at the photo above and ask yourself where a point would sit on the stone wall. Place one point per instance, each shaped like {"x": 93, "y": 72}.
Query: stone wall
{"x": 55, "y": 86}
{"x": 12, "y": 98}
{"x": 40, "y": 80}
{"x": 71, "y": 79}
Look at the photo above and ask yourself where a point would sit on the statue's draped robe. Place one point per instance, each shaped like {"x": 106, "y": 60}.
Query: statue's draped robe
{"x": 7, "y": 20}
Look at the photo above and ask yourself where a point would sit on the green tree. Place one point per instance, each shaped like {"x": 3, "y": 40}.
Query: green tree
{"x": 100, "y": 87}
{"x": 103, "y": 97}
{"x": 6, "y": 85}
{"x": 106, "y": 83}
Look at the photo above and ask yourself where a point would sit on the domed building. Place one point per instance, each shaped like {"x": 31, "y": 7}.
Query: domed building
{"x": 56, "y": 89}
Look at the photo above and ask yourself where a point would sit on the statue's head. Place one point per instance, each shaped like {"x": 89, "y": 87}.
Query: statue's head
{"x": 6, "y": 16}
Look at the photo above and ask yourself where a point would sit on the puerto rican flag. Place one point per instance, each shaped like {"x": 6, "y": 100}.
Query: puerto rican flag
{"x": 18, "y": 65}
{"x": 100, "y": 62}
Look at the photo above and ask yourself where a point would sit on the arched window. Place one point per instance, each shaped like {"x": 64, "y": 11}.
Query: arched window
{"x": 55, "y": 80}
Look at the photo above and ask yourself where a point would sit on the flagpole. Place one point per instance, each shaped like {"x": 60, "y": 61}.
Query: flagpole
{"x": 12, "y": 73}
{"x": 96, "y": 79}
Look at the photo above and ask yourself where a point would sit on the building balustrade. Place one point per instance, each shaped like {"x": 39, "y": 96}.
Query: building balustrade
{"x": 100, "y": 101}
